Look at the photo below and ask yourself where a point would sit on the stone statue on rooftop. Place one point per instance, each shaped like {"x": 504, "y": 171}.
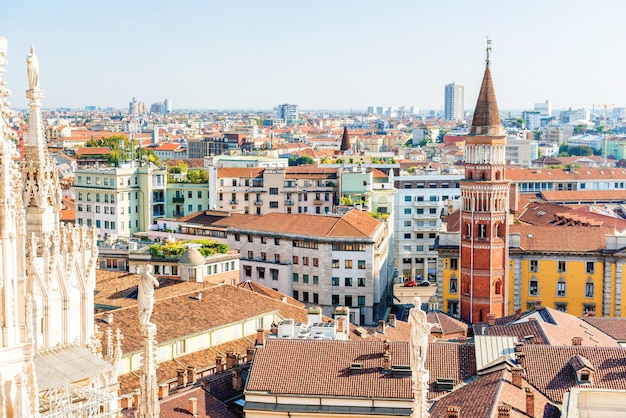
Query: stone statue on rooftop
{"x": 32, "y": 64}
{"x": 420, "y": 330}
{"x": 145, "y": 294}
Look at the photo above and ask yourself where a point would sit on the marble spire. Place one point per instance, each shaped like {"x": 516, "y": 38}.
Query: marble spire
{"x": 42, "y": 196}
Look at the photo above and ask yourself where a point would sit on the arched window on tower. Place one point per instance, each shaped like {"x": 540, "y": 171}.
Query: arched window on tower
{"x": 498, "y": 287}
{"x": 496, "y": 230}
{"x": 468, "y": 230}
{"x": 497, "y": 175}
{"x": 483, "y": 176}
{"x": 469, "y": 175}
{"x": 482, "y": 231}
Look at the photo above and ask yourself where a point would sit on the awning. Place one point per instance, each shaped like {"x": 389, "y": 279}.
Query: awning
{"x": 59, "y": 366}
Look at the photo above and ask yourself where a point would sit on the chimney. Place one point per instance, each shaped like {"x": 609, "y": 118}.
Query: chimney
{"x": 108, "y": 318}
{"x": 491, "y": 319}
{"x": 392, "y": 320}
{"x": 237, "y": 382}
{"x": 387, "y": 362}
{"x": 517, "y": 376}
{"x": 386, "y": 346}
{"x": 260, "y": 337}
{"x": 530, "y": 403}
{"x": 518, "y": 346}
{"x": 577, "y": 341}
{"x": 249, "y": 354}
{"x": 219, "y": 364}
{"x": 340, "y": 324}
{"x": 164, "y": 391}
{"x": 136, "y": 400}
{"x": 230, "y": 359}
{"x": 181, "y": 378}
{"x": 517, "y": 314}
{"x": 504, "y": 411}
{"x": 283, "y": 299}
{"x": 193, "y": 406}
{"x": 381, "y": 327}
{"x": 453, "y": 412}
{"x": 538, "y": 304}
{"x": 192, "y": 376}
{"x": 521, "y": 359}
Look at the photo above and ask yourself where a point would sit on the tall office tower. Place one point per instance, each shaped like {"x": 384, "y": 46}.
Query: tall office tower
{"x": 133, "y": 107}
{"x": 370, "y": 109}
{"x": 484, "y": 208}
{"x": 287, "y": 112}
{"x": 454, "y": 102}
{"x": 167, "y": 106}
{"x": 545, "y": 108}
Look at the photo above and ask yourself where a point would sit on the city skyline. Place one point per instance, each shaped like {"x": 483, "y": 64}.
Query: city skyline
{"x": 351, "y": 55}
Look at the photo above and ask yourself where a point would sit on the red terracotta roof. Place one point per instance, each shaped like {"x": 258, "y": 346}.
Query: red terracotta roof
{"x": 520, "y": 175}
{"x": 177, "y": 406}
{"x": 240, "y": 172}
{"x": 581, "y": 196}
{"x": 486, "y": 113}
{"x": 93, "y": 151}
{"x": 322, "y": 368}
{"x": 615, "y": 327}
{"x": 353, "y": 224}
{"x": 560, "y": 239}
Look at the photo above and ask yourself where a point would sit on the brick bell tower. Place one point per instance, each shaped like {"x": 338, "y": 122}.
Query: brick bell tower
{"x": 484, "y": 200}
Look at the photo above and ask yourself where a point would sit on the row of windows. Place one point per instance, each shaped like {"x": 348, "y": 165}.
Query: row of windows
{"x": 108, "y": 198}
{"x": 347, "y": 281}
{"x": 429, "y": 185}
{"x": 305, "y": 296}
{"x": 421, "y": 223}
{"x": 107, "y": 209}
{"x": 260, "y": 271}
{"x": 348, "y": 264}
{"x": 433, "y": 198}
{"x": 107, "y": 224}
{"x": 561, "y": 266}
{"x": 179, "y": 194}
{"x": 305, "y": 278}
{"x": 347, "y": 300}
{"x": 420, "y": 211}
{"x": 305, "y": 244}
{"x": 533, "y": 287}
{"x": 348, "y": 246}
{"x": 420, "y": 235}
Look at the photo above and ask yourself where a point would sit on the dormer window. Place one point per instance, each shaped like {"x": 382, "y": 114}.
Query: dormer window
{"x": 583, "y": 369}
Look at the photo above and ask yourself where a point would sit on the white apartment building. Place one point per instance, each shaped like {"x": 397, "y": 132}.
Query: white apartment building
{"x": 120, "y": 201}
{"x": 419, "y": 203}
{"x": 454, "y": 102}
{"x": 521, "y": 151}
{"x": 320, "y": 260}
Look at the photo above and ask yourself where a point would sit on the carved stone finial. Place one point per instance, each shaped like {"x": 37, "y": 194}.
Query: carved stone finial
{"x": 488, "y": 60}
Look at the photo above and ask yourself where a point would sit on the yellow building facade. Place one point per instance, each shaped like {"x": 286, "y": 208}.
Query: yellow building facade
{"x": 577, "y": 270}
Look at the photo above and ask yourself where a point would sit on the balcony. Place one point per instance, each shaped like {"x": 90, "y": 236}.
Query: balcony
{"x": 178, "y": 200}
{"x": 234, "y": 202}
{"x": 158, "y": 199}
{"x": 258, "y": 202}
{"x": 288, "y": 202}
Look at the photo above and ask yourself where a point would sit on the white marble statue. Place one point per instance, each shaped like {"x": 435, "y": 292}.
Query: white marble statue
{"x": 32, "y": 64}
{"x": 420, "y": 330}
{"x": 145, "y": 294}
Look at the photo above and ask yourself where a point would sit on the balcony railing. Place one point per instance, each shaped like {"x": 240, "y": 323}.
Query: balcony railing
{"x": 258, "y": 202}
{"x": 234, "y": 202}
{"x": 289, "y": 202}
{"x": 178, "y": 200}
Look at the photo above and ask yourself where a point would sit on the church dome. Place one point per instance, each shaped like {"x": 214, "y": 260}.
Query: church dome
{"x": 192, "y": 256}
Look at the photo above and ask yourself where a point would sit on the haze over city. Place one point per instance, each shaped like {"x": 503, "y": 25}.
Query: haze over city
{"x": 324, "y": 55}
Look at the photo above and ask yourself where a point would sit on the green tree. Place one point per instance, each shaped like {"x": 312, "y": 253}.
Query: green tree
{"x": 563, "y": 147}
{"x": 580, "y": 150}
{"x": 302, "y": 160}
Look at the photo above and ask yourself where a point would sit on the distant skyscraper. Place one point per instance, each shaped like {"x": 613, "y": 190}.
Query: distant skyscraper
{"x": 167, "y": 106}
{"x": 379, "y": 110}
{"x": 287, "y": 112}
{"x": 370, "y": 109}
{"x": 545, "y": 109}
{"x": 454, "y": 102}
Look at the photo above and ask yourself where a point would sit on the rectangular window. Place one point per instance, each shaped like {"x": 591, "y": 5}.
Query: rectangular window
{"x": 454, "y": 264}
{"x": 361, "y": 300}
{"x": 561, "y": 266}
{"x": 248, "y": 270}
{"x": 589, "y": 289}
{"x": 533, "y": 288}
{"x": 261, "y": 272}
{"x": 407, "y": 211}
{"x": 296, "y": 295}
{"x": 316, "y": 280}
{"x": 361, "y": 264}
{"x": 274, "y": 274}
{"x": 316, "y": 298}
{"x": 534, "y": 266}
{"x": 591, "y": 267}
{"x": 250, "y": 255}
{"x": 276, "y": 258}
{"x": 305, "y": 278}
{"x": 276, "y": 241}
{"x": 407, "y": 223}
{"x": 295, "y": 277}
{"x": 305, "y": 296}
{"x": 348, "y": 299}
{"x": 348, "y": 264}
{"x": 335, "y": 264}
{"x": 361, "y": 281}
{"x": 454, "y": 285}
{"x": 295, "y": 259}
{"x": 305, "y": 261}
{"x": 335, "y": 281}
{"x": 237, "y": 237}
{"x": 274, "y": 205}
{"x": 335, "y": 299}
{"x": 273, "y": 190}
{"x": 263, "y": 256}
{"x": 407, "y": 198}
{"x": 348, "y": 281}
{"x": 560, "y": 288}
{"x": 316, "y": 262}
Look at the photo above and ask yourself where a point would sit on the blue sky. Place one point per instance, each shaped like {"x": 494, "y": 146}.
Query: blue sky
{"x": 321, "y": 55}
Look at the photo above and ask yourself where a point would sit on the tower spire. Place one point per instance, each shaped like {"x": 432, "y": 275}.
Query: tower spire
{"x": 42, "y": 196}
